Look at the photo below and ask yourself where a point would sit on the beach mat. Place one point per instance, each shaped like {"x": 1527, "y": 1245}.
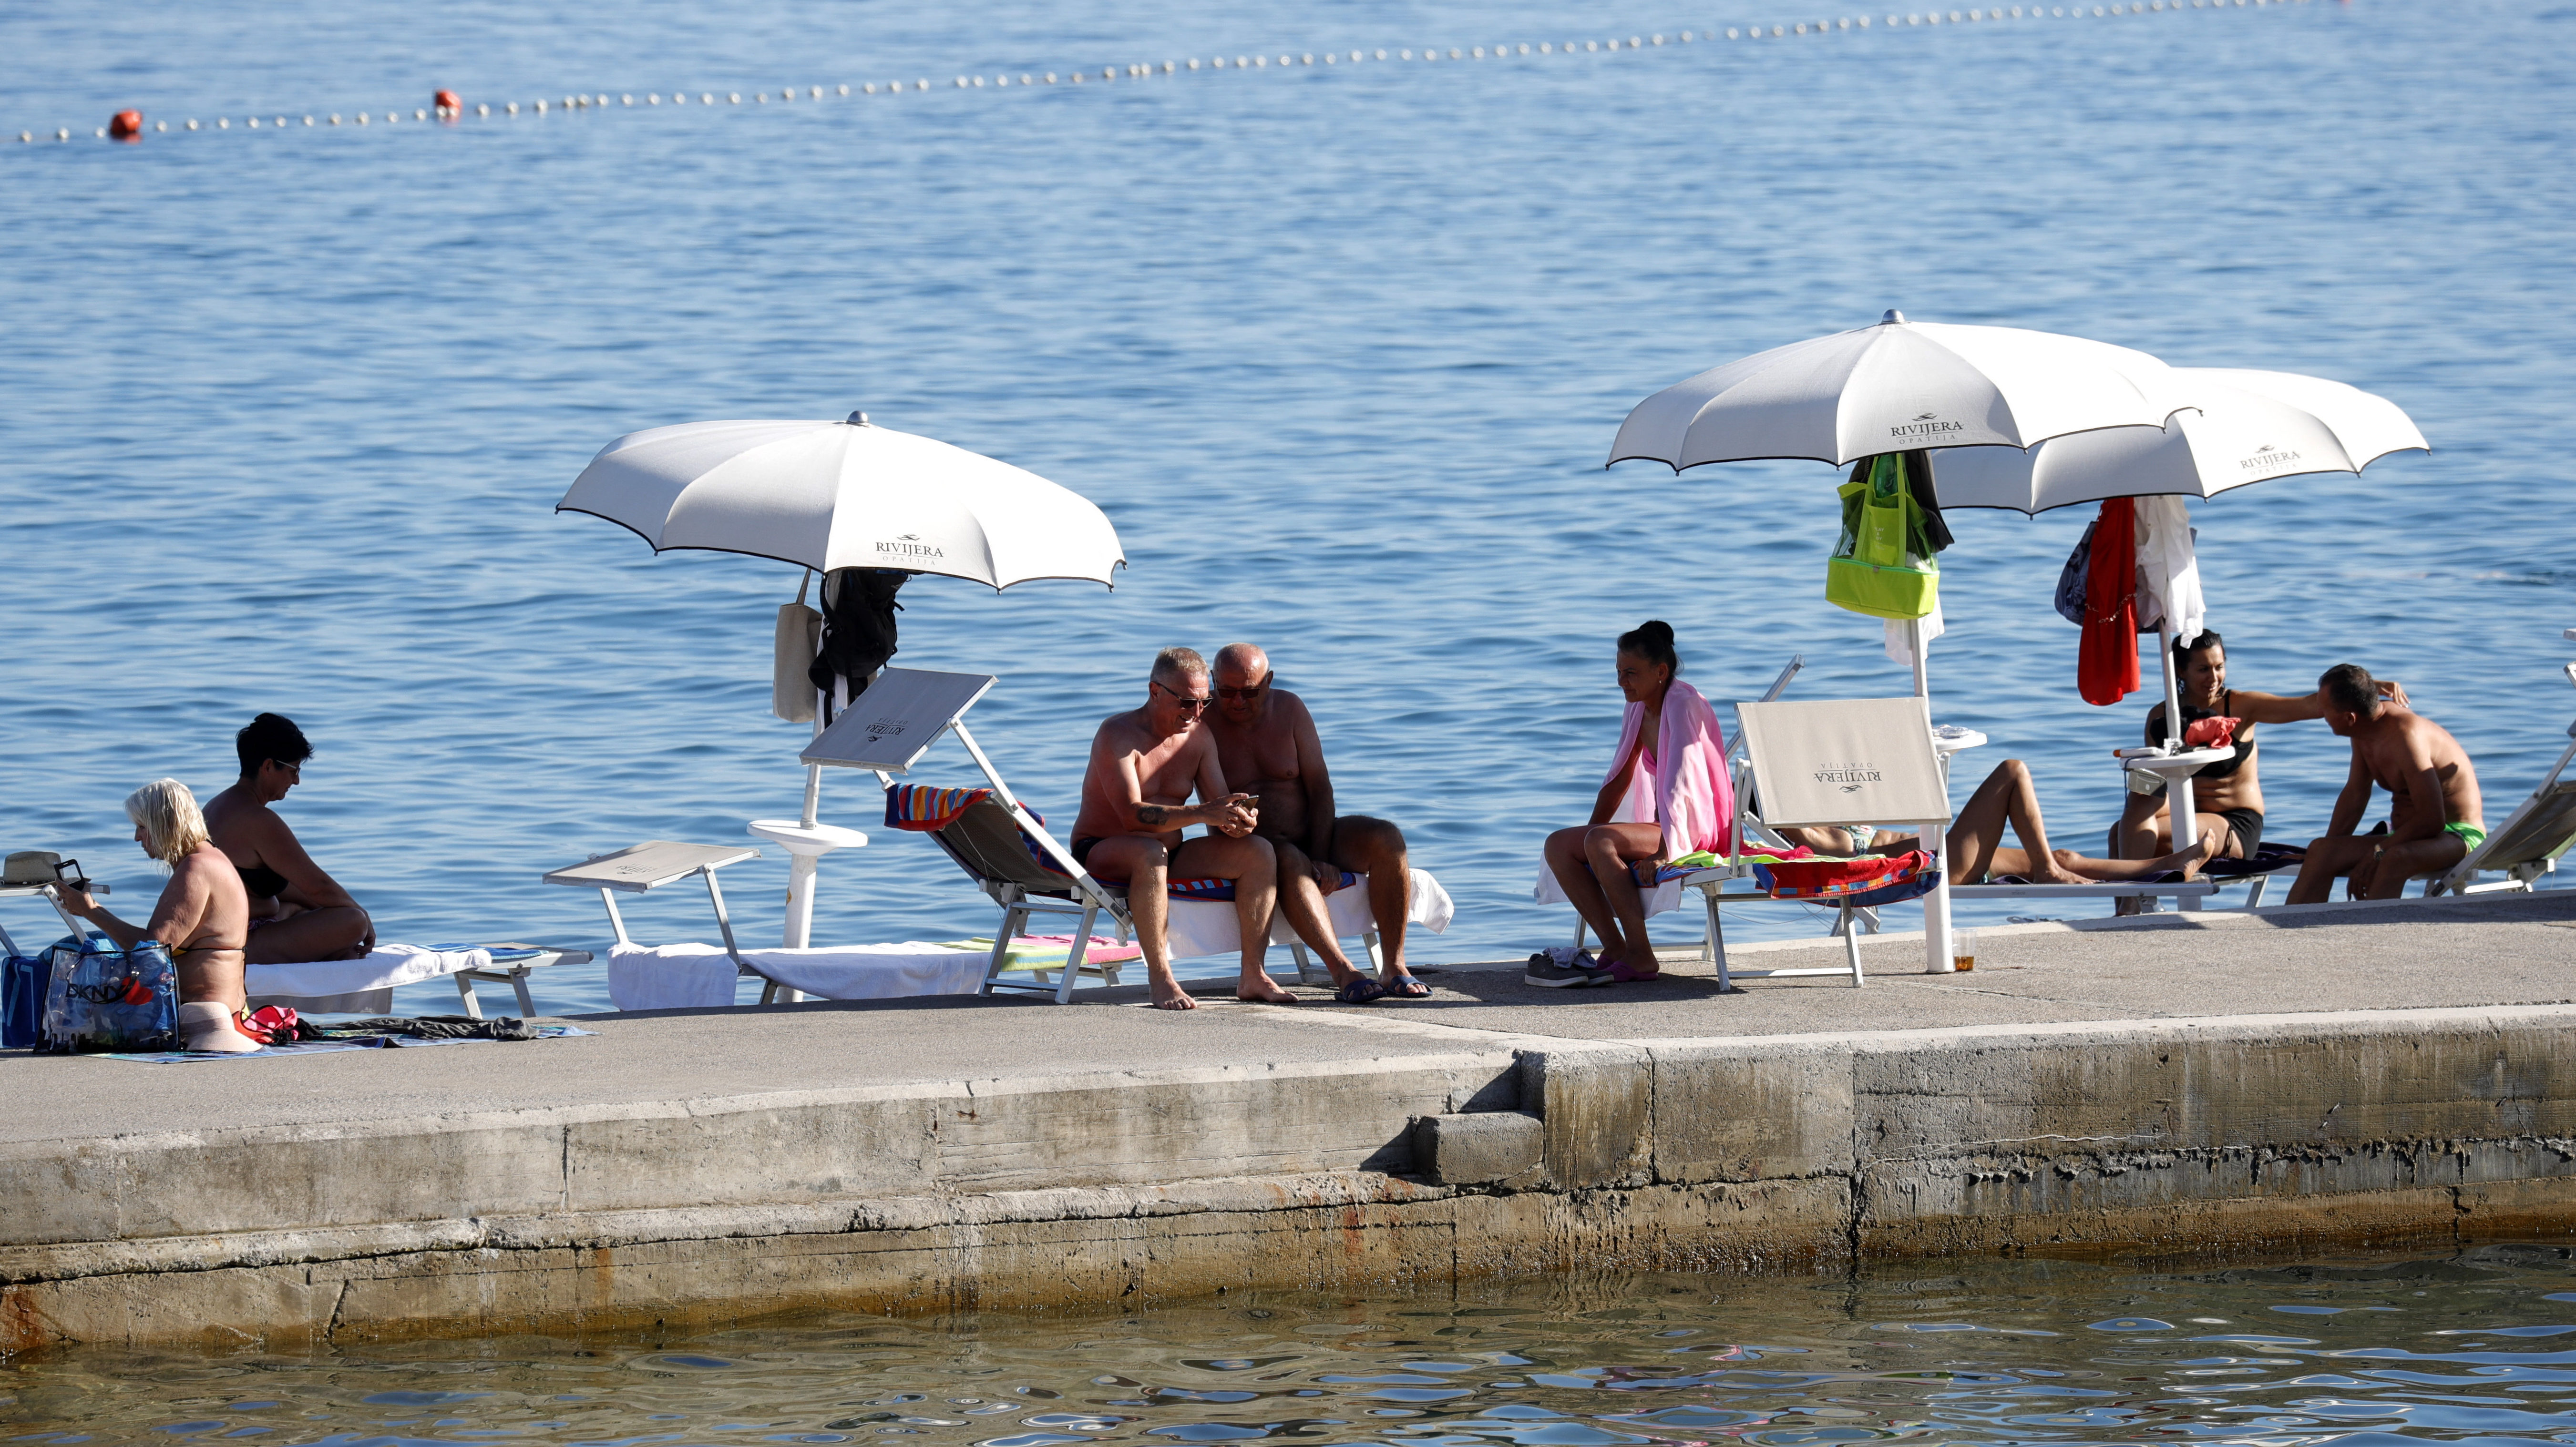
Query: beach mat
{"x": 328, "y": 1046}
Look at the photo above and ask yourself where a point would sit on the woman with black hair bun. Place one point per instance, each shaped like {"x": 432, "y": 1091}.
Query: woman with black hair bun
{"x": 1667, "y": 794}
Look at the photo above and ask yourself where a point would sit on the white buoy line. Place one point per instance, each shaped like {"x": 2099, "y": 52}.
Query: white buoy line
{"x": 1108, "y": 74}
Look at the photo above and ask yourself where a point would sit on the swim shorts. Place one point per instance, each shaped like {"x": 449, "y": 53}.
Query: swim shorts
{"x": 1082, "y": 848}
{"x": 2470, "y": 835}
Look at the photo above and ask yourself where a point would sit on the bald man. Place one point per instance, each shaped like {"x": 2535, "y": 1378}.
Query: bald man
{"x": 1267, "y": 745}
{"x": 1144, "y": 765}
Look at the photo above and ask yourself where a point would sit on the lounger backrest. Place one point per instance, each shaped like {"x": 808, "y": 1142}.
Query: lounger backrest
{"x": 989, "y": 844}
{"x": 2543, "y": 828}
{"x": 977, "y": 832}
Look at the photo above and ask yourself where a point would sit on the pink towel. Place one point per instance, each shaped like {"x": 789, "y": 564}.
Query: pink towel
{"x": 1686, "y": 788}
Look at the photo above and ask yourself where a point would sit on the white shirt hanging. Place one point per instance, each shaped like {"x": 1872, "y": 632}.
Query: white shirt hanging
{"x": 2168, "y": 570}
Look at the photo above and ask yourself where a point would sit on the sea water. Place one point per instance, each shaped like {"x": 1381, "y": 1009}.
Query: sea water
{"x": 2369, "y": 1352}
{"x": 1340, "y": 350}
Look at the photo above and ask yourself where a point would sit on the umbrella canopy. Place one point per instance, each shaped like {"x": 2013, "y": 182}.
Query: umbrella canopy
{"x": 2247, "y": 427}
{"x": 1896, "y": 387}
{"x": 833, "y": 495}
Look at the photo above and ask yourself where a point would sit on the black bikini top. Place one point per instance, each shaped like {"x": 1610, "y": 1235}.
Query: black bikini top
{"x": 261, "y": 881}
{"x": 2192, "y": 715}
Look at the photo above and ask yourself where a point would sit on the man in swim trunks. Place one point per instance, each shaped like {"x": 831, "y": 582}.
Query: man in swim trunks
{"x": 1144, "y": 766}
{"x": 1266, "y": 742}
{"x": 2435, "y": 815}
{"x": 297, "y": 912}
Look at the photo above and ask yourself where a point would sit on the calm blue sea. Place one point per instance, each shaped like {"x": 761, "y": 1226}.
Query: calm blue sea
{"x": 1339, "y": 350}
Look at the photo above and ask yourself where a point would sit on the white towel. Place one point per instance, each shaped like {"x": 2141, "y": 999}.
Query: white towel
{"x": 2168, "y": 570}
{"x": 1664, "y": 896}
{"x": 385, "y": 968}
{"x": 1899, "y": 640}
{"x": 669, "y": 977}
{"x": 699, "y": 977}
{"x": 1207, "y": 926}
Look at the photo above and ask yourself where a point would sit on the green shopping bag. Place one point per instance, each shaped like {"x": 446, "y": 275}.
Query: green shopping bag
{"x": 1883, "y": 565}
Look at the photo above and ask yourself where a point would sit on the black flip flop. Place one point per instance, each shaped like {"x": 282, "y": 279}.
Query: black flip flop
{"x": 1407, "y": 988}
{"x": 1359, "y": 991}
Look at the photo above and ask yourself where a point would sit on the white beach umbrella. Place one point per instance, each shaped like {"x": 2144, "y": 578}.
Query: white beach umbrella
{"x": 1899, "y": 386}
{"x": 2246, "y": 427}
{"x": 831, "y": 495}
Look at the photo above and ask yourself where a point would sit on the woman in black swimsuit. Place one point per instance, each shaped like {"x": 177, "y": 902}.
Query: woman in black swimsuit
{"x": 297, "y": 912}
{"x": 2228, "y": 795}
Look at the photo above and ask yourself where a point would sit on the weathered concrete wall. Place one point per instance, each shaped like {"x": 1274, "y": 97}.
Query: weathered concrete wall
{"x": 2161, "y": 1137}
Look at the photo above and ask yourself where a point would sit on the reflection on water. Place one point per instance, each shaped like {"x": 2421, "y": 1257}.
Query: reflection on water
{"x": 2473, "y": 1348}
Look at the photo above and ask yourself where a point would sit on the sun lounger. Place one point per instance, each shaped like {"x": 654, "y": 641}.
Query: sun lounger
{"x": 2530, "y": 841}
{"x": 1022, "y": 869}
{"x": 648, "y": 866}
{"x": 1007, "y": 851}
{"x": 29, "y": 874}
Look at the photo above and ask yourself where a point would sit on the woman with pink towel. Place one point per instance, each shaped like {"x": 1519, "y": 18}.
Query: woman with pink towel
{"x": 1667, "y": 794}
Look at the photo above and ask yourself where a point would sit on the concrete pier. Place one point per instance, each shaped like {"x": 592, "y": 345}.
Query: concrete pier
{"x": 2170, "y": 1087}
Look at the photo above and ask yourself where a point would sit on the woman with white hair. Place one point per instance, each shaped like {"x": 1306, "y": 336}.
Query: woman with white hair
{"x": 203, "y": 916}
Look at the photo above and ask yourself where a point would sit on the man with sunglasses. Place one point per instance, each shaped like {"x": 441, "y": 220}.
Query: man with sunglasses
{"x": 1135, "y": 801}
{"x": 1266, "y": 742}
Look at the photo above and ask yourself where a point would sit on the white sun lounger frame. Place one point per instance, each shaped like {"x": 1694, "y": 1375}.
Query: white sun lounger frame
{"x": 640, "y": 868}
{"x": 887, "y": 729}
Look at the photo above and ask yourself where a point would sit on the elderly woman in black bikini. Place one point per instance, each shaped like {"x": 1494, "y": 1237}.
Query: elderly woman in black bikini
{"x": 2227, "y": 796}
{"x": 297, "y": 912}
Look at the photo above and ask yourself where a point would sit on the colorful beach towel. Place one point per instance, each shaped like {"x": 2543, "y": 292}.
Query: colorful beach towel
{"x": 926, "y": 809}
{"x": 1686, "y": 789}
{"x": 1049, "y": 952}
{"x": 1864, "y": 883}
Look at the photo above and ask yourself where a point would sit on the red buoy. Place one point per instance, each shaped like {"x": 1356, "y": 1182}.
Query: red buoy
{"x": 448, "y": 105}
{"x": 126, "y": 125}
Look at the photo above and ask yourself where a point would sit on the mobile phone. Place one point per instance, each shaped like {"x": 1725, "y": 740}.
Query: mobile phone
{"x": 69, "y": 876}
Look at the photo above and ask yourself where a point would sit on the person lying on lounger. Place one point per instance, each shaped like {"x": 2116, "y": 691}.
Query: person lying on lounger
{"x": 1974, "y": 850}
{"x": 1668, "y": 794}
{"x": 1144, "y": 765}
{"x": 1267, "y": 743}
{"x": 297, "y": 913}
{"x": 2435, "y": 813}
{"x": 202, "y": 916}
{"x": 2228, "y": 795}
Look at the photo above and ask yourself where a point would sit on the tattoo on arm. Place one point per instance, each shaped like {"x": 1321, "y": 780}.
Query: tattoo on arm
{"x": 1152, "y": 814}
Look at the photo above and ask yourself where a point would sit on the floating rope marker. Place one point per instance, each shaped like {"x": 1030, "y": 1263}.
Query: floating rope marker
{"x": 128, "y": 125}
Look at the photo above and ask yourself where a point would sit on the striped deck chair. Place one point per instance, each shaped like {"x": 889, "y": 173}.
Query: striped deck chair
{"x": 1026, "y": 873}
{"x": 1020, "y": 867}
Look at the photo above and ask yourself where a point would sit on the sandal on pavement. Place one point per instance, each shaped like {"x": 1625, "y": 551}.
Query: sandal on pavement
{"x": 1620, "y": 971}
{"x": 1405, "y": 987}
{"x": 1359, "y": 991}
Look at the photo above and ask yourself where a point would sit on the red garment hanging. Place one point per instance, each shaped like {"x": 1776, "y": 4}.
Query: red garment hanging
{"x": 2106, "y": 665}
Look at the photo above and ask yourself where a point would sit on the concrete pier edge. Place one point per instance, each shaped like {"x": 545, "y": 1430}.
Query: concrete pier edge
{"x": 1367, "y": 1148}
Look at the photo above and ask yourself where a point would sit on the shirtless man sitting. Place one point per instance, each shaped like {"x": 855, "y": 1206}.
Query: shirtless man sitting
{"x": 1144, "y": 765}
{"x": 1267, "y": 743}
{"x": 2435, "y": 816}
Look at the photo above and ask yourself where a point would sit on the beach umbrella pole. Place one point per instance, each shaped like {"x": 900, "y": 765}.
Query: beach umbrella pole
{"x": 806, "y": 841}
{"x": 1937, "y": 959}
